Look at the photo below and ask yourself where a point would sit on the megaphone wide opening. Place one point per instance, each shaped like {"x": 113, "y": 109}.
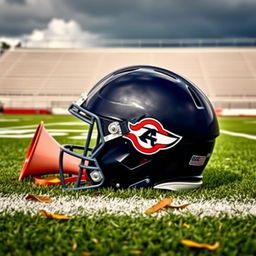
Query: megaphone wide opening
{"x": 30, "y": 151}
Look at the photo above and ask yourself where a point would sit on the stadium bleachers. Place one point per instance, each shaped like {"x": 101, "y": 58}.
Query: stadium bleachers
{"x": 52, "y": 78}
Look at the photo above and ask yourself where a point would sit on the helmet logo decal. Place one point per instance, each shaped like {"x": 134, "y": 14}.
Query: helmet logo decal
{"x": 148, "y": 136}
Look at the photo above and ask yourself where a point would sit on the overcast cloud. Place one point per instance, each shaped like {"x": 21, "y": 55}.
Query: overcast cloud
{"x": 90, "y": 20}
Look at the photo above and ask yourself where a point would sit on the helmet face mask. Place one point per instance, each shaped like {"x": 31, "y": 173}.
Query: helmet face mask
{"x": 89, "y": 166}
{"x": 147, "y": 127}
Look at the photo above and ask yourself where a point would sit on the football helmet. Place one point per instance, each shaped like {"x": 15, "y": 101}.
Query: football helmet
{"x": 146, "y": 127}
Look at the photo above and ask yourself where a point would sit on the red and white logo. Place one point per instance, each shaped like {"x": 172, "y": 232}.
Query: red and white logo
{"x": 148, "y": 136}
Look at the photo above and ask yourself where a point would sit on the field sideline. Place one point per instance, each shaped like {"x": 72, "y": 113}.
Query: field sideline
{"x": 108, "y": 222}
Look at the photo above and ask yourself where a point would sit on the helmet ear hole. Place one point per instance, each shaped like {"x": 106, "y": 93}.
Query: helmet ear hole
{"x": 133, "y": 161}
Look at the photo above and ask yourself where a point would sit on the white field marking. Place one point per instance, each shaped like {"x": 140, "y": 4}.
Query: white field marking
{"x": 250, "y": 122}
{"x": 83, "y": 136}
{"x": 45, "y": 124}
{"x": 21, "y": 134}
{"x": 238, "y": 134}
{"x": 134, "y": 206}
{"x": 22, "y": 131}
{"x": 30, "y": 135}
{"x": 9, "y": 120}
{"x": 66, "y": 123}
{"x": 31, "y": 130}
{"x": 25, "y": 131}
{"x": 19, "y": 127}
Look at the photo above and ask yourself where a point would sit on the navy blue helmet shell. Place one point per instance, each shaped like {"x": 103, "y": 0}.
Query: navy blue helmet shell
{"x": 147, "y": 127}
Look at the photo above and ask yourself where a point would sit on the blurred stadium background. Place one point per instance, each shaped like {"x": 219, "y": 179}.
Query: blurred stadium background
{"x": 47, "y": 80}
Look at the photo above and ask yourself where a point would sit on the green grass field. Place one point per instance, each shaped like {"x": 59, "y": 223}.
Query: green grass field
{"x": 230, "y": 178}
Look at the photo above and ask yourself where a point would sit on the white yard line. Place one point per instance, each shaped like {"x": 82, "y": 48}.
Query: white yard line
{"x": 8, "y": 120}
{"x": 26, "y": 131}
{"x": 29, "y": 133}
{"x": 45, "y": 124}
{"x": 238, "y": 134}
{"x": 134, "y": 206}
{"x": 23, "y": 131}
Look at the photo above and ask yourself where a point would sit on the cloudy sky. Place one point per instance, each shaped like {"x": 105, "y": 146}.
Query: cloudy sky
{"x": 88, "y": 21}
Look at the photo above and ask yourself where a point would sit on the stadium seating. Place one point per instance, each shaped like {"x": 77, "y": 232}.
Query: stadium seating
{"x": 52, "y": 78}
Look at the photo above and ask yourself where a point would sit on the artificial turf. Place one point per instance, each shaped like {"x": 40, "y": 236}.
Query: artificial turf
{"x": 230, "y": 174}
{"x": 121, "y": 235}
